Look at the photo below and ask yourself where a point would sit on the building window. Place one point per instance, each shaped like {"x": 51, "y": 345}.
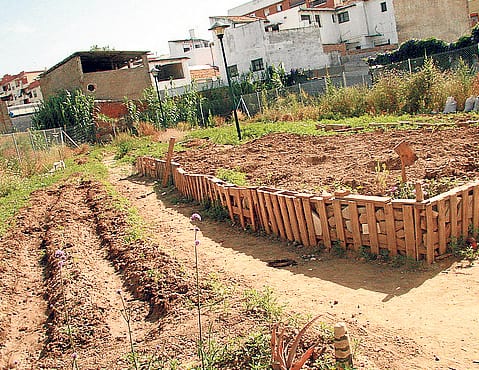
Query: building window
{"x": 305, "y": 17}
{"x": 293, "y": 3}
{"x": 257, "y": 65}
{"x": 343, "y": 17}
{"x": 233, "y": 71}
{"x": 333, "y": 16}
{"x": 186, "y": 49}
{"x": 279, "y": 7}
{"x": 316, "y": 3}
{"x": 266, "y": 12}
{"x": 384, "y": 7}
{"x": 317, "y": 19}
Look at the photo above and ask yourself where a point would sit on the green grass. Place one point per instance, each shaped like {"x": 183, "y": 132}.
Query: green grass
{"x": 233, "y": 176}
{"x": 127, "y": 148}
{"x": 226, "y": 135}
{"x": 263, "y": 304}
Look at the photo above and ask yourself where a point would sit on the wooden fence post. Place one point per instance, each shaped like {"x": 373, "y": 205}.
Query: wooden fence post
{"x": 166, "y": 174}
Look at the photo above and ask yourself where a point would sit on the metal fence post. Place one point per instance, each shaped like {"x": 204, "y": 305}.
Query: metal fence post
{"x": 259, "y": 102}
{"x": 16, "y": 148}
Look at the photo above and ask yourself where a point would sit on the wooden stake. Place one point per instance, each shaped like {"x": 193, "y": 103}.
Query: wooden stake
{"x": 403, "y": 171}
{"x": 168, "y": 161}
{"x": 419, "y": 192}
{"x": 373, "y": 228}
{"x": 410, "y": 238}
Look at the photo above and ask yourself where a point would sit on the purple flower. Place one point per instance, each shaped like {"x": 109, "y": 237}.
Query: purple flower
{"x": 74, "y": 355}
{"x": 60, "y": 254}
{"x": 195, "y": 217}
{"x": 197, "y": 242}
{"x": 393, "y": 189}
{"x": 61, "y": 263}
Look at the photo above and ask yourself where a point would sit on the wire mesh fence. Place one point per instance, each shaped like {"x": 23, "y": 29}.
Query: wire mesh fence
{"x": 21, "y": 151}
{"x": 447, "y": 60}
{"x": 254, "y": 103}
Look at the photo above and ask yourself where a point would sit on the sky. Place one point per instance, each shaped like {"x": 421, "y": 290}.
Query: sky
{"x": 37, "y": 34}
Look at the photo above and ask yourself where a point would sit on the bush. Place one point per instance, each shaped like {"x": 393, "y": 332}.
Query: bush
{"x": 69, "y": 110}
{"x": 343, "y": 102}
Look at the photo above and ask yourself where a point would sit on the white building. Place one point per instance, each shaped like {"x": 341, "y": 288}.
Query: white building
{"x": 173, "y": 72}
{"x": 199, "y": 51}
{"x": 305, "y": 35}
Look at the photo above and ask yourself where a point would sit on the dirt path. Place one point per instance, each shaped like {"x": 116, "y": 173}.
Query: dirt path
{"x": 403, "y": 320}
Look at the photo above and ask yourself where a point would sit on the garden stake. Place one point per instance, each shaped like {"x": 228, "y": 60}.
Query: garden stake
{"x": 171, "y": 145}
{"x": 407, "y": 156}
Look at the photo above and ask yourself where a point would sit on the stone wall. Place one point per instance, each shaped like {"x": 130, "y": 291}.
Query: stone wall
{"x": 443, "y": 19}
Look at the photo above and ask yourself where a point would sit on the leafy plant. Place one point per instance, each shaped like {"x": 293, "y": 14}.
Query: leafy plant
{"x": 234, "y": 176}
{"x": 284, "y": 352}
{"x": 262, "y": 304}
{"x": 365, "y": 252}
{"x": 214, "y": 209}
{"x": 410, "y": 263}
{"x": 126, "y": 314}
{"x": 70, "y": 110}
{"x": 465, "y": 248}
{"x": 337, "y": 250}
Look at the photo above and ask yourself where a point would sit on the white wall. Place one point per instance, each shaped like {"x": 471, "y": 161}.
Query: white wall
{"x": 298, "y": 48}
{"x": 288, "y": 18}
{"x": 173, "y": 83}
{"x": 294, "y": 48}
{"x": 368, "y": 26}
{"x": 383, "y": 23}
{"x": 197, "y": 55}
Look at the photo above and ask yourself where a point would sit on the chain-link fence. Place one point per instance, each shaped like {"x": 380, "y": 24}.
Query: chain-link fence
{"x": 254, "y": 103}
{"x": 447, "y": 60}
{"x": 22, "y": 149}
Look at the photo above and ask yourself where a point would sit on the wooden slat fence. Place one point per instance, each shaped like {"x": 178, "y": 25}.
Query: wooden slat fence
{"x": 417, "y": 229}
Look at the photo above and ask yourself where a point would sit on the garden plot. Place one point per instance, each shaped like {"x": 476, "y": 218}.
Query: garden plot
{"x": 365, "y": 162}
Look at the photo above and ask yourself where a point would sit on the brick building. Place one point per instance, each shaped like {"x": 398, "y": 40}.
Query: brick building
{"x": 108, "y": 75}
{"x": 14, "y": 89}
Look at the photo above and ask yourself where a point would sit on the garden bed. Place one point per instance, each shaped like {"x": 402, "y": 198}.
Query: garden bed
{"x": 365, "y": 163}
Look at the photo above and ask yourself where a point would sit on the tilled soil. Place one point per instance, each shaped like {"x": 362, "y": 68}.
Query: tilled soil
{"x": 365, "y": 162}
{"x": 63, "y": 268}
{"x": 73, "y": 248}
